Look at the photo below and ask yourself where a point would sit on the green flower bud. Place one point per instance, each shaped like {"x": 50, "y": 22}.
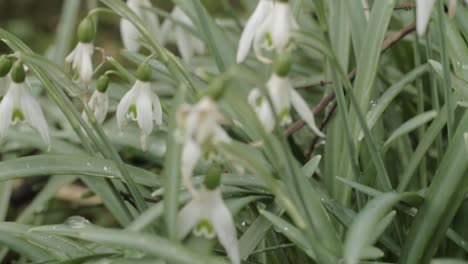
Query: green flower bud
{"x": 5, "y": 65}
{"x": 102, "y": 83}
{"x": 282, "y": 65}
{"x": 86, "y": 30}
{"x": 17, "y": 72}
{"x": 144, "y": 72}
{"x": 213, "y": 177}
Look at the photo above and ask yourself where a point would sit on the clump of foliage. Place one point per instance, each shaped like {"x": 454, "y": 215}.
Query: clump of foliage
{"x": 270, "y": 131}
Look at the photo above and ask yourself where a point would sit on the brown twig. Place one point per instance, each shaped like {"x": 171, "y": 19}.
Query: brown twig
{"x": 322, "y": 126}
{"x": 388, "y": 42}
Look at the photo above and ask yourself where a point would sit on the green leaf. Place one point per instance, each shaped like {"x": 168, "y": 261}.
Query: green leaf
{"x": 150, "y": 244}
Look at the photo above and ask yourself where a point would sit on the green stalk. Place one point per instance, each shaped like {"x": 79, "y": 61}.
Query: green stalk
{"x": 446, "y": 67}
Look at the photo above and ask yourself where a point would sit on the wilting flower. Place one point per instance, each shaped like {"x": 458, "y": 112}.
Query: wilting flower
{"x": 187, "y": 44}
{"x": 207, "y": 215}
{"x": 129, "y": 32}
{"x": 98, "y": 103}
{"x": 19, "y": 105}
{"x": 282, "y": 95}
{"x": 140, "y": 104}
{"x": 81, "y": 57}
{"x": 269, "y": 27}
{"x": 199, "y": 130}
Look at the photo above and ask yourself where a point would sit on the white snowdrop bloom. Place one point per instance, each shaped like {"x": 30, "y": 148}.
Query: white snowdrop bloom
{"x": 272, "y": 32}
{"x": 98, "y": 103}
{"x": 423, "y": 14}
{"x": 199, "y": 130}
{"x": 80, "y": 60}
{"x": 187, "y": 44}
{"x": 140, "y": 104}
{"x": 129, "y": 33}
{"x": 282, "y": 95}
{"x": 207, "y": 215}
{"x": 19, "y": 105}
{"x": 263, "y": 9}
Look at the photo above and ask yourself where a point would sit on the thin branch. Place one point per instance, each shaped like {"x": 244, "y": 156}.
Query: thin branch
{"x": 390, "y": 41}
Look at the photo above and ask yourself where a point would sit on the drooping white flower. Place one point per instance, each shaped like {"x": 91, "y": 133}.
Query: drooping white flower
{"x": 207, "y": 215}
{"x": 199, "y": 130}
{"x": 273, "y": 31}
{"x": 129, "y": 33}
{"x": 98, "y": 103}
{"x": 19, "y": 105}
{"x": 81, "y": 61}
{"x": 263, "y": 9}
{"x": 81, "y": 57}
{"x": 423, "y": 14}
{"x": 140, "y": 104}
{"x": 282, "y": 95}
{"x": 187, "y": 44}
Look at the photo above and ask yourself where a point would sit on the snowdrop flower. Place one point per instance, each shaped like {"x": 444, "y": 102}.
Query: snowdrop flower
{"x": 423, "y": 14}
{"x": 274, "y": 32}
{"x": 99, "y": 101}
{"x": 187, "y": 44}
{"x": 199, "y": 130}
{"x": 19, "y": 105}
{"x": 140, "y": 104}
{"x": 282, "y": 95}
{"x": 263, "y": 9}
{"x": 207, "y": 215}
{"x": 129, "y": 32}
{"x": 80, "y": 58}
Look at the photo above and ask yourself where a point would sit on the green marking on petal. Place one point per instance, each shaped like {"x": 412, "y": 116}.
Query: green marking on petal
{"x": 204, "y": 228}
{"x": 283, "y": 114}
{"x": 132, "y": 111}
{"x": 269, "y": 40}
{"x": 17, "y": 115}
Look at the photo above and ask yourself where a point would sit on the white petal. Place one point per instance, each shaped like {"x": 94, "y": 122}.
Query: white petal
{"x": 183, "y": 41}
{"x": 253, "y": 23}
{"x": 265, "y": 114}
{"x": 6, "y": 109}
{"x": 188, "y": 217}
{"x": 33, "y": 114}
{"x": 423, "y": 14}
{"x": 149, "y": 17}
{"x": 129, "y": 35}
{"x": 165, "y": 30}
{"x": 71, "y": 57}
{"x": 263, "y": 30}
{"x": 280, "y": 32}
{"x": 223, "y": 224}
{"x": 125, "y": 103}
{"x": 99, "y": 103}
{"x": 190, "y": 156}
{"x": 304, "y": 112}
{"x": 86, "y": 71}
{"x": 157, "y": 109}
{"x": 144, "y": 110}
{"x": 278, "y": 89}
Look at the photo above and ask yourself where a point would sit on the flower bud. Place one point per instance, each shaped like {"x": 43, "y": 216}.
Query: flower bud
{"x": 144, "y": 72}
{"x": 102, "y": 83}
{"x": 213, "y": 177}
{"x": 86, "y": 30}
{"x": 17, "y": 72}
{"x": 5, "y": 65}
{"x": 282, "y": 65}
